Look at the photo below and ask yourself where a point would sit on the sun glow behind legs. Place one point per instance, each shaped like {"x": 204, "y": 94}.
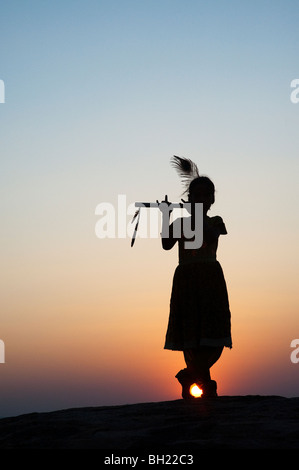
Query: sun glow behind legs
{"x": 195, "y": 391}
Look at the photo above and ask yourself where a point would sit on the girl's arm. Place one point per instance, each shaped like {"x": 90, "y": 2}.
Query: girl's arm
{"x": 167, "y": 235}
{"x": 212, "y": 233}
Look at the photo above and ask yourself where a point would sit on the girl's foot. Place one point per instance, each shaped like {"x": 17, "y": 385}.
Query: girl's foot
{"x": 186, "y": 380}
{"x": 209, "y": 388}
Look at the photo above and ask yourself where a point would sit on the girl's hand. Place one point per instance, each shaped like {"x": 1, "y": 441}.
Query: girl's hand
{"x": 164, "y": 206}
{"x": 168, "y": 241}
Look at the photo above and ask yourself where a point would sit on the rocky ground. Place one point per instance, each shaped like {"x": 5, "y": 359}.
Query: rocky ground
{"x": 227, "y": 422}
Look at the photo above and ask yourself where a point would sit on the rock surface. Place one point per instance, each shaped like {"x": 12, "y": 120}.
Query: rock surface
{"x": 227, "y": 422}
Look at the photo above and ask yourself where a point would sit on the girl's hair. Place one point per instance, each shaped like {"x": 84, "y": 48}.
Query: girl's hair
{"x": 204, "y": 180}
{"x": 189, "y": 174}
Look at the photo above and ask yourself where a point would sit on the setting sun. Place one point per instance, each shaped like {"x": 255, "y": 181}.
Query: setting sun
{"x": 195, "y": 391}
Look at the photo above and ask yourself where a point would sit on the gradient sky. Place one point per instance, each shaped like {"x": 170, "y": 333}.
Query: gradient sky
{"x": 98, "y": 96}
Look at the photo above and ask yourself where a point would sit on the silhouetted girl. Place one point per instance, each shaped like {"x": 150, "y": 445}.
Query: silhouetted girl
{"x": 199, "y": 320}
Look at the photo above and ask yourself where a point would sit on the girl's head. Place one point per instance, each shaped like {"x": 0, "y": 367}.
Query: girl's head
{"x": 202, "y": 189}
{"x": 199, "y": 188}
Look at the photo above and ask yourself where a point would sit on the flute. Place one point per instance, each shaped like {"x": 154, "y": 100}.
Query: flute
{"x": 173, "y": 205}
